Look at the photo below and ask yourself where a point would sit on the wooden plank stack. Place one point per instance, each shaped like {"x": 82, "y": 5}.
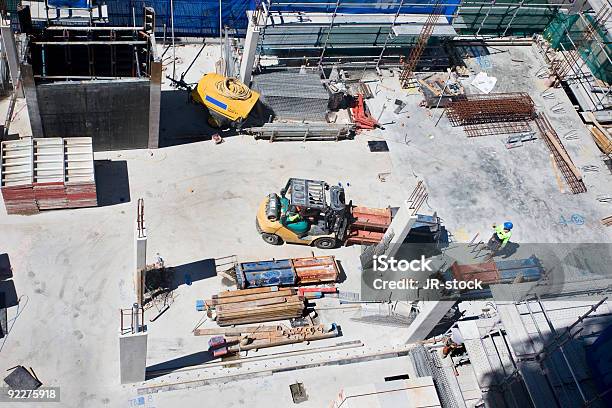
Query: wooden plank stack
{"x": 255, "y": 305}
{"x": 47, "y": 173}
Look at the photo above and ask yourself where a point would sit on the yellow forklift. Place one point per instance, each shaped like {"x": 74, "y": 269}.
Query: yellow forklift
{"x": 307, "y": 212}
{"x": 312, "y": 212}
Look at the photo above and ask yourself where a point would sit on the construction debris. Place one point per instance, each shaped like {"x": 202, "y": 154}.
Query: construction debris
{"x": 47, "y": 173}
{"x": 439, "y": 89}
{"x": 361, "y": 115}
{"x": 603, "y": 139}
{"x": 240, "y": 339}
{"x": 607, "y": 221}
{"x": 255, "y": 305}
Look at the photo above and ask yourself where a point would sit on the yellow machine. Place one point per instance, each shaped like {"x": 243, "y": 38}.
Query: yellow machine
{"x": 228, "y": 100}
{"x": 320, "y": 215}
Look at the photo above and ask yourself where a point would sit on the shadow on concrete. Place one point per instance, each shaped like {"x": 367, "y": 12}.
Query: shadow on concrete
{"x": 6, "y": 271}
{"x": 192, "y": 272}
{"x": 112, "y": 182}
{"x": 7, "y": 288}
{"x": 184, "y": 122}
{"x": 189, "y": 360}
{"x": 509, "y": 250}
{"x": 341, "y": 274}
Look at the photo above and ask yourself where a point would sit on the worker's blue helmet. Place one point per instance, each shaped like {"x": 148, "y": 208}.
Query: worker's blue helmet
{"x": 508, "y": 225}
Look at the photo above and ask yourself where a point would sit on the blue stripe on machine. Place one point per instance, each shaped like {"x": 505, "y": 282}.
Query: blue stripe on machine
{"x": 216, "y": 102}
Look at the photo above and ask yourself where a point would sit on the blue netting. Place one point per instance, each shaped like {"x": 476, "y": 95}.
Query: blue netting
{"x": 201, "y": 17}
{"x": 69, "y": 3}
{"x": 191, "y": 17}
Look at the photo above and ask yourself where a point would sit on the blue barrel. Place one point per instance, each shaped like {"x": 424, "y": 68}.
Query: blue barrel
{"x": 265, "y": 273}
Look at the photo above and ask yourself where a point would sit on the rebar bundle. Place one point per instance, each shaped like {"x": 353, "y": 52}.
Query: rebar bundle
{"x": 502, "y": 107}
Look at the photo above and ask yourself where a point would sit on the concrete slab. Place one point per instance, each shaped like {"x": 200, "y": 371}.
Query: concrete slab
{"x": 73, "y": 268}
{"x": 476, "y": 182}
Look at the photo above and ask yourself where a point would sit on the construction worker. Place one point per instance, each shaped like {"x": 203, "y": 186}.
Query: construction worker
{"x": 501, "y": 236}
{"x": 294, "y": 222}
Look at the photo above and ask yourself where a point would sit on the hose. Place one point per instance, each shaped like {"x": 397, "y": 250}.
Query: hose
{"x": 233, "y": 89}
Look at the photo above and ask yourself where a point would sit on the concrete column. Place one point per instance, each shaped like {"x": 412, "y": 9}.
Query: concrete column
{"x": 29, "y": 89}
{"x": 140, "y": 252}
{"x": 10, "y": 49}
{"x": 133, "y": 357}
{"x": 155, "y": 103}
{"x": 396, "y": 234}
{"x": 430, "y": 314}
{"x": 249, "y": 53}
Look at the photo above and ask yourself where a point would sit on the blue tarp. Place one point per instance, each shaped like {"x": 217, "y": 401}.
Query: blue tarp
{"x": 69, "y": 3}
{"x": 200, "y": 18}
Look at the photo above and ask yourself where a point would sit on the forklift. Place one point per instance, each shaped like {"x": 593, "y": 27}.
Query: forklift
{"x": 307, "y": 212}
{"x": 312, "y": 212}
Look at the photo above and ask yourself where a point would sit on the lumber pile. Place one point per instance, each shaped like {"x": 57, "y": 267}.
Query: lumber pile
{"x": 232, "y": 340}
{"x": 570, "y": 172}
{"x": 603, "y": 139}
{"x": 255, "y": 305}
{"x": 47, "y": 173}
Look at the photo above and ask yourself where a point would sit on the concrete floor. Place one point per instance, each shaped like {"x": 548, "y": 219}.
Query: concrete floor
{"x": 73, "y": 268}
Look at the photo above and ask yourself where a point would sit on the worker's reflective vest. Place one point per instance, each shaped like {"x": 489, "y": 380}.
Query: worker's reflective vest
{"x": 503, "y": 235}
{"x": 293, "y": 217}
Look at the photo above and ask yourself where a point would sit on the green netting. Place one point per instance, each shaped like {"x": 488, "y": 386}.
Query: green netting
{"x": 508, "y": 17}
{"x": 595, "y": 50}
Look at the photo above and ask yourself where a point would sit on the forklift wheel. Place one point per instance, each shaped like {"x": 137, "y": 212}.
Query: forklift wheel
{"x": 325, "y": 243}
{"x": 271, "y": 239}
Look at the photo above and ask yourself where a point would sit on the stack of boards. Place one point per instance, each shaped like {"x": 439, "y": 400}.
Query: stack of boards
{"x": 255, "y": 305}
{"x": 47, "y": 173}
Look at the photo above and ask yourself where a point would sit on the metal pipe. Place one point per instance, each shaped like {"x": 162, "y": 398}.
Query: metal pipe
{"x": 390, "y": 33}
{"x": 221, "y": 30}
{"x": 89, "y": 42}
{"x": 173, "y": 44}
{"x": 329, "y": 29}
{"x": 544, "y": 369}
{"x": 361, "y": 5}
{"x": 567, "y": 362}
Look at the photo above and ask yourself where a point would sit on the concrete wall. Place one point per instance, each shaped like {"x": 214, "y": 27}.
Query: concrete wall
{"x": 114, "y": 113}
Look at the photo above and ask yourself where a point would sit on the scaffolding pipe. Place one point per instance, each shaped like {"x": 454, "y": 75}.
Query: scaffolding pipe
{"x": 399, "y": 8}
{"x": 562, "y": 350}
{"x": 485, "y": 17}
{"x": 544, "y": 368}
{"x": 331, "y": 25}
